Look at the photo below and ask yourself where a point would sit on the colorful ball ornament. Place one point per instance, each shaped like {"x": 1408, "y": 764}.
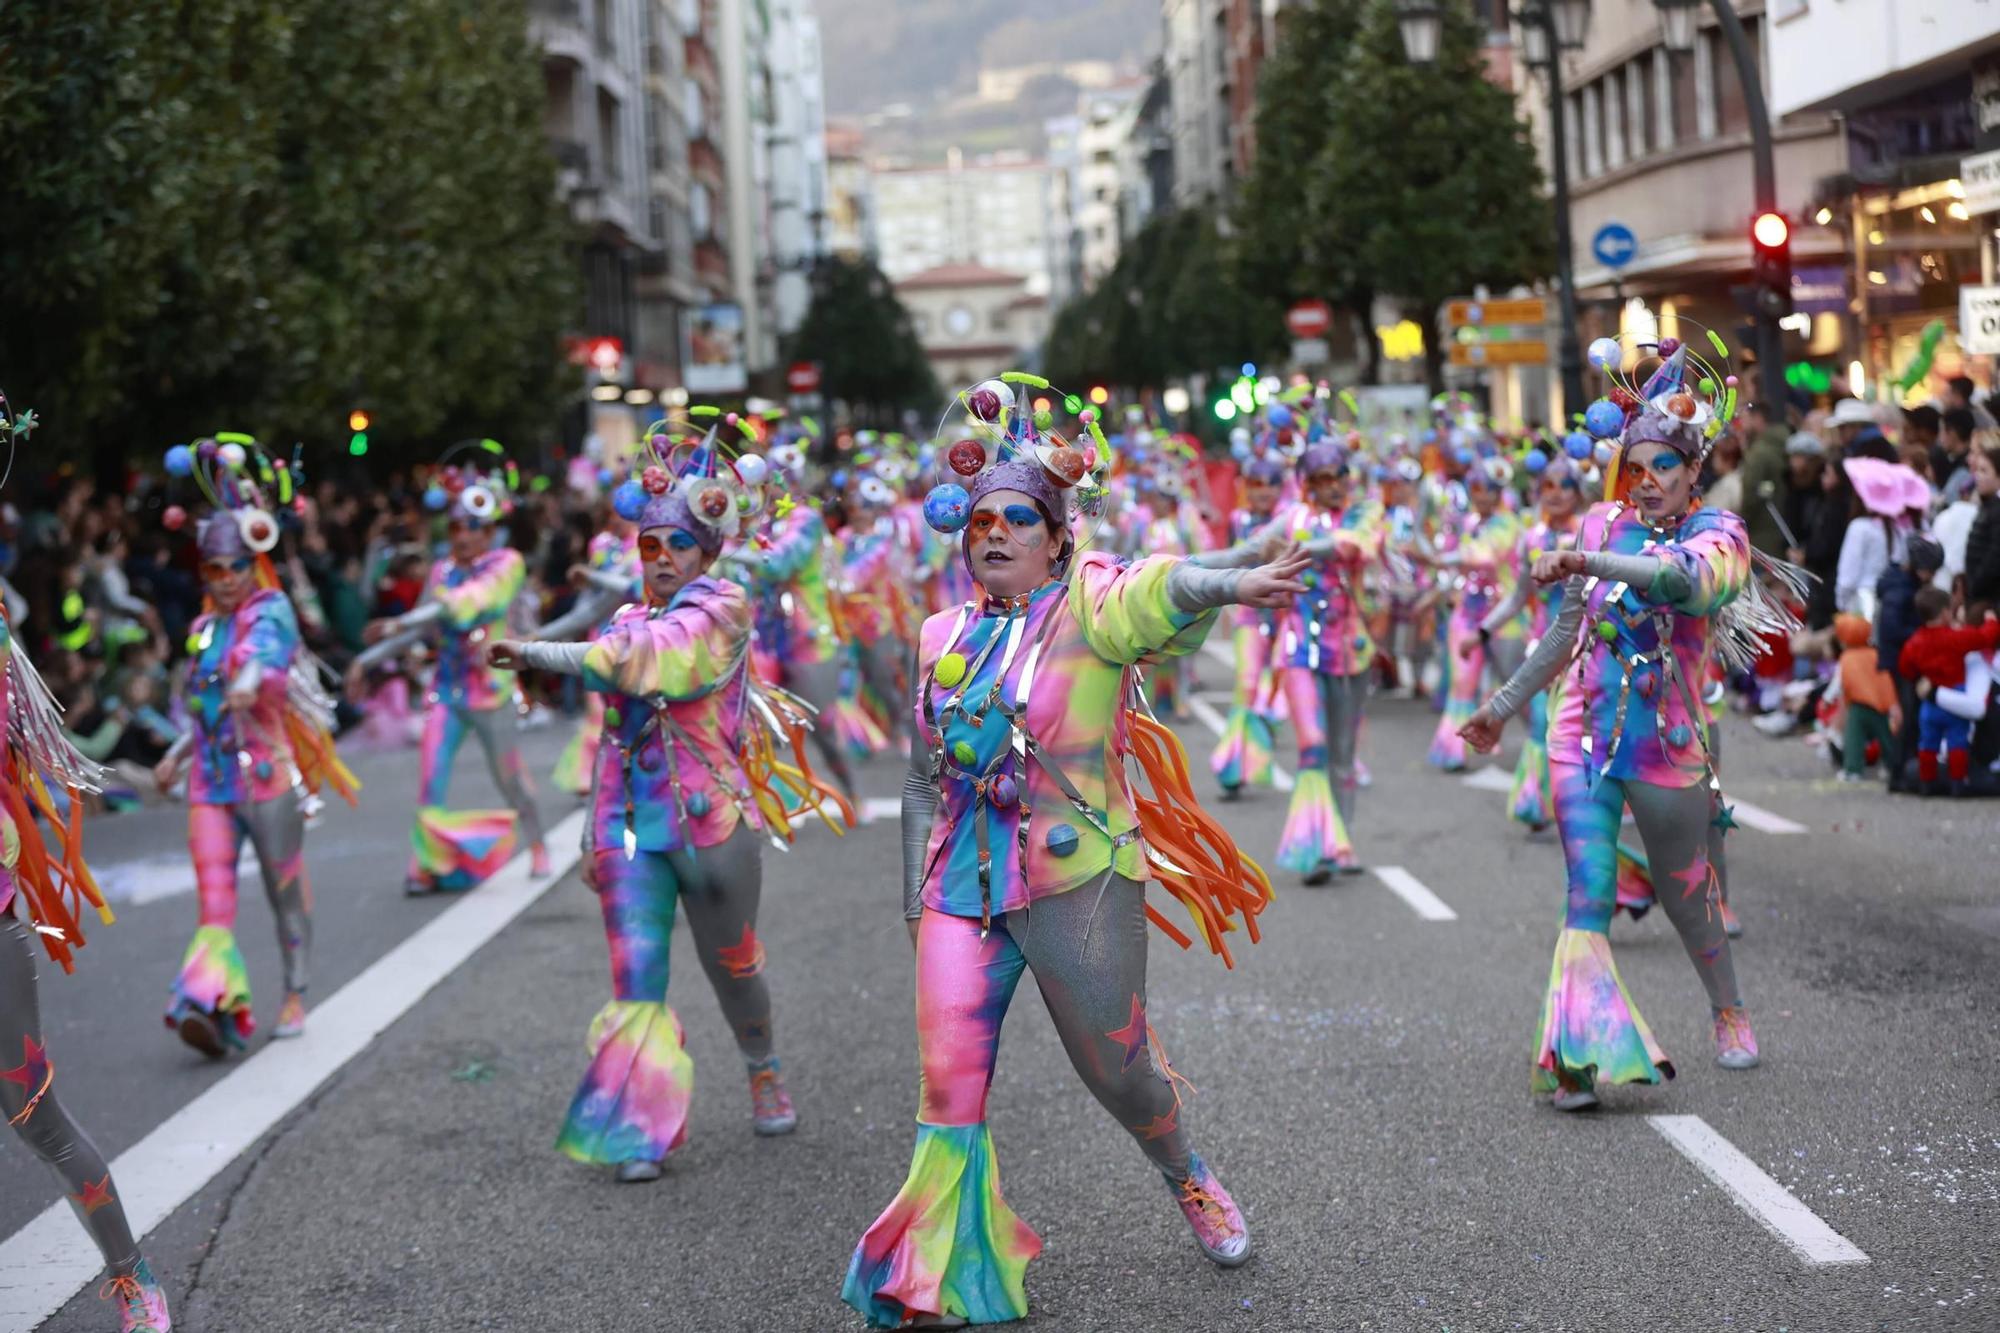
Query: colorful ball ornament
{"x": 628, "y": 501}
{"x": 989, "y": 399}
{"x": 1679, "y": 737}
{"x": 1602, "y": 454}
{"x": 1577, "y": 444}
{"x": 963, "y": 753}
{"x": 948, "y": 507}
{"x": 752, "y": 469}
{"x": 1065, "y": 463}
{"x": 1668, "y": 346}
{"x": 967, "y": 458}
{"x": 1604, "y": 418}
{"x": 1607, "y": 354}
{"x": 231, "y": 454}
{"x": 1062, "y": 840}
{"x": 435, "y": 497}
{"x": 1004, "y": 792}
{"x": 950, "y": 670}
{"x": 698, "y": 804}
{"x": 1535, "y": 461}
{"x": 175, "y": 518}
{"x": 180, "y": 461}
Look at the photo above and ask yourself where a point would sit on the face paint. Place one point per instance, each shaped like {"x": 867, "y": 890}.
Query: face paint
{"x": 1021, "y": 521}
{"x": 651, "y": 548}
{"x": 215, "y": 571}
{"x": 1665, "y": 465}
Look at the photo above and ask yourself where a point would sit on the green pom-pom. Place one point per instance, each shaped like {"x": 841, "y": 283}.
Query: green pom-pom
{"x": 1044, "y": 419}
{"x": 964, "y": 754}
{"x": 950, "y": 669}
{"x": 1607, "y": 630}
{"x": 1707, "y": 386}
{"x": 1072, "y": 404}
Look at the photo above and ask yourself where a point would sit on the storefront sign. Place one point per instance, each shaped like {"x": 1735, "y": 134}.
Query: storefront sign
{"x": 1819, "y": 291}
{"x": 1980, "y": 175}
{"x": 1986, "y": 101}
{"x": 1979, "y": 320}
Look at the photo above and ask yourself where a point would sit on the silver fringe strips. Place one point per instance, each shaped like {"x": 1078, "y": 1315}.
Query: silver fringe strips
{"x": 34, "y": 728}
{"x": 1743, "y": 625}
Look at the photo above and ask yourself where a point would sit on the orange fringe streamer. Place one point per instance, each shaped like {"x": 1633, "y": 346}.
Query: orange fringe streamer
{"x": 55, "y": 887}
{"x": 766, "y": 773}
{"x": 319, "y": 765}
{"x": 1193, "y": 857}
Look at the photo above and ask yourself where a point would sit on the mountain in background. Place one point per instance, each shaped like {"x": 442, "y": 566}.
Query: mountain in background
{"x": 927, "y": 54}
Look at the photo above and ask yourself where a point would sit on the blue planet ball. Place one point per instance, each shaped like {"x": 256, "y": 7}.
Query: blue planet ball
{"x": 435, "y": 498}
{"x": 947, "y": 508}
{"x": 629, "y": 501}
{"x": 1279, "y": 415}
{"x": 1606, "y": 354}
{"x": 180, "y": 461}
{"x": 604, "y": 476}
{"x": 1577, "y": 444}
{"x": 1535, "y": 461}
{"x": 1464, "y": 457}
{"x": 697, "y": 804}
{"x": 1062, "y": 840}
{"x": 1604, "y": 418}
{"x": 1679, "y": 737}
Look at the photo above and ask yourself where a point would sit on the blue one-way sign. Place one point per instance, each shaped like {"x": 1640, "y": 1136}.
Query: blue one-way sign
{"x": 1614, "y": 245}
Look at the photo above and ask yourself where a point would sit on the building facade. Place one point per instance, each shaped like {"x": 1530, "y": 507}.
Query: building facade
{"x": 991, "y": 211}
{"x": 1195, "y": 58}
{"x": 1108, "y": 117}
{"x": 974, "y": 321}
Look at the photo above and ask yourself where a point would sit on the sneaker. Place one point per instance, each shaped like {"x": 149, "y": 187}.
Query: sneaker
{"x": 1217, "y": 1224}
{"x": 1319, "y": 874}
{"x": 418, "y": 886}
{"x": 538, "y": 861}
{"x": 637, "y": 1172}
{"x": 937, "y": 1321}
{"x": 1845, "y": 776}
{"x": 1730, "y": 925}
{"x": 1573, "y": 1099}
{"x": 291, "y": 1017}
{"x": 199, "y": 1031}
{"x": 771, "y": 1110}
{"x": 1776, "y": 724}
{"x": 1735, "y": 1043}
{"x": 1232, "y": 793}
{"x": 142, "y": 1302}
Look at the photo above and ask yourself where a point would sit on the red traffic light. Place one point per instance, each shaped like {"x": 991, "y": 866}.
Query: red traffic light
{"x": 1771, "y": 230}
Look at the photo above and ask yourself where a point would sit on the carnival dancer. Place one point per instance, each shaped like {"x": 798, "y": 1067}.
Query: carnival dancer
{"x": 1322, "y": 655}
{"x": 684, "y": 795}
{"x": 1243, "y": 754}
{"x": 1560, "y": 492}
{"x": 45, "y": 891}
{"x": 607, "y": 579}
{"x": 1661, "y": 584}
{"x": 1025, "y": 712}
{"x": 876, "y": 577}
{"x": 1482, "y": 562}
{"x": 784, "y": 573}
{"x": 467, "y": 600}
{"x": 257, "y": 751}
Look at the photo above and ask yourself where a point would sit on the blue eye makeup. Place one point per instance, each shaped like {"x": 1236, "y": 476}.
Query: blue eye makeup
{"x": 1022, "y": 516}
{"x": 681, "y": 541}
{"x": 1665, "y": 461}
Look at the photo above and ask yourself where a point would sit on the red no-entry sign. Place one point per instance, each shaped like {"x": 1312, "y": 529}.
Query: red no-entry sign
{"x": 1309, "y": 319}
{"x": 803, "y": 377}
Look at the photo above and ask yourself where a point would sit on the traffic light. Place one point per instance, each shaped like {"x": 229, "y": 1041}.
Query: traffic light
{"x": 357, "y": 421}
{"x": 1771, "y": 265}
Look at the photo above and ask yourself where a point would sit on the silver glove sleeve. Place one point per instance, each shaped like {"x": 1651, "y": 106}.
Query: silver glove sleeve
{"x": 1549, "y": 657}
{"x": 563, "y": 659}
{"x": 1196, "y": 588}
{"x": 920, "y": 803}
{"x": 1654, "y": 579}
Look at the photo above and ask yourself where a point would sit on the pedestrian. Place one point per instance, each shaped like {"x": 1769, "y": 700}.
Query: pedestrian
{"x": 1951, "y": 455}
{"x": 467, "y": 600}
{"x": 676, "y": 816}
{"x": 257, "y": 752}
{"x": 1935, "y": 659}
{"x": 1664, "y": 582}
{"x": 1857, "y": 432}
{"x": 1982, "y": 540}
{"x": 1765, "y": 483}
{"x": 1024, "y": 704}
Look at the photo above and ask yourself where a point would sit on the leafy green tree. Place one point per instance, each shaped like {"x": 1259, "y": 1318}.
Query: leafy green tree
{"x": 257, "y": 215}
{"x": 1458, "y": 202}
{"x": 866, "y": 346}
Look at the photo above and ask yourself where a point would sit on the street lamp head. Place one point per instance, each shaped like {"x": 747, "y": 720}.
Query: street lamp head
{"x": 1572, "y": 23}
{"x": 1677, "y": 23}
{"x": 1534, "y": 38}
{"x": 1422, "y": 24}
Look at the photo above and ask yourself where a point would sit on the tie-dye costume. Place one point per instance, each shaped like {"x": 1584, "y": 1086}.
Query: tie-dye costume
{"x": 1627, "y": 728}
{"x": 1484, "y": 560}
{"x": 1531, "y": 799}
{"x": 468, "y": 605}
{"x": 44, "y": 880}
{"x": 613, "y": 562}
{"x": 251, "y": 775}
{"x": 1243, "y": 753}
{"x": 875, "y": 624}
{"x": 1019, "y": 760}
{"x": 673, "y": 819}
{"x": 795, "y": 645}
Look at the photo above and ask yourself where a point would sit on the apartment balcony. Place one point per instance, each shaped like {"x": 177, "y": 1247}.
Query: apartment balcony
{"x": 561, "y": 29}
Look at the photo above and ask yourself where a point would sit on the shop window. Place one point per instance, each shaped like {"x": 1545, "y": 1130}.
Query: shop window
{"x": 1614, "y": 120}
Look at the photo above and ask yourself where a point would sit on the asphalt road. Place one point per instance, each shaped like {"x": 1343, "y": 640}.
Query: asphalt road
{"x": 1362, "y": 1081}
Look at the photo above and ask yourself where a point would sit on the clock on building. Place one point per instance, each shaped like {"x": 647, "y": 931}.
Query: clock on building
{"x": 958, "y": 321}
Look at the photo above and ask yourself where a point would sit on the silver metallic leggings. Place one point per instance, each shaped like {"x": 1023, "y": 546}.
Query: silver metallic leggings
{"x": 818, "y": 683}
{"x": 29, "y": 1101}
{"x": 445, "y": 730}
{"x": 277, "y": 833}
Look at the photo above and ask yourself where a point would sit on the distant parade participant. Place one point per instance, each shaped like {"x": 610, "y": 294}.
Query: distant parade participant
{"x": 1323, "y": 653}
{"x": 1480, "y": 561}
{"x": 683, "y": 797}
{"x": 607, "y": 579}
{"x": 45, "y": 890}
{"x": 1655, "y": 588}
{"x": 1020, "y": 852}
{"x": 468, "y": 600}
{"x": 257, "y": 750}
{"x": 1244, "y": 753}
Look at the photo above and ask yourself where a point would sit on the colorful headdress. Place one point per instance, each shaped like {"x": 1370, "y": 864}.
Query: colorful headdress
{"x": 1006, "y": 439}
{"x": 1683, "y": 402}
{"x": 700, "y": 478}
{"x": 475, "y": 483}
{"x": 250, "y": 495}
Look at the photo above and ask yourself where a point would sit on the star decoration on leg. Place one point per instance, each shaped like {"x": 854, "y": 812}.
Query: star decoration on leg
{"x": 1161, "y": 1126}
{"x": 745, "y": 958}
{"x": 1695, "y": 879}
{"x": 34, "y": 1074}
{"x": 96, "y": 1194}
{"x": 1133, "y": 1035}
{"x": 1725, "y": 818}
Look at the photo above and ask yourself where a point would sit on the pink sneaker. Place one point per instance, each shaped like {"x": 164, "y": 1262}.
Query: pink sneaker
{"x": 1217, "y": 1224}
{"x": 538, "y": 861}
{"x": 1735, "y": 1043}
{"x": 291, "y": 1017}
{"x": 142, "y": 1303}
{"x": 771, "y": 1110}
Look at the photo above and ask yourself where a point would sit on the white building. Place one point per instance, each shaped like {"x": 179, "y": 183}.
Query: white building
{"x": 1060, "y": 139}
{"x": 1196, "y": 59}
{"x": 1108, "y": 117}
{"x": 797, "y": 144}
{"x": 992, "y": 211}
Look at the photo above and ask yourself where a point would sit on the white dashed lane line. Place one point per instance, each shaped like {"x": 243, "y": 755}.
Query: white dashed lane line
{"x": 1756, "y": 1193}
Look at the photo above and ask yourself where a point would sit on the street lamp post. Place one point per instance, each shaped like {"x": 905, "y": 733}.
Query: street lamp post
{"x": 1677, "y": 30}
{"x": 1551, "y": 27}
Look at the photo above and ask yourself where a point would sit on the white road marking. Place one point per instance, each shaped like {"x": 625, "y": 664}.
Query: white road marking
{"x": 50, "y": 1259}
{"x": 1801, "y": 1229}
{"x": 1216, "y": 723}
{"x": 1412, "y": 891}
{"x": 147, "y": 879}
{"x": 1757, "y": 817}
{"x": 871, "y": 810}
{"x": 1489, "y": 778}
{"x": 1226, "y": 656}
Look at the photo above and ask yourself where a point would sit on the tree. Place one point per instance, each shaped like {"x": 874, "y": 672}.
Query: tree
{"x": 866, "y": 346}
{"x": 1458, "y": 203}
{"x": 257, "y": 215}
